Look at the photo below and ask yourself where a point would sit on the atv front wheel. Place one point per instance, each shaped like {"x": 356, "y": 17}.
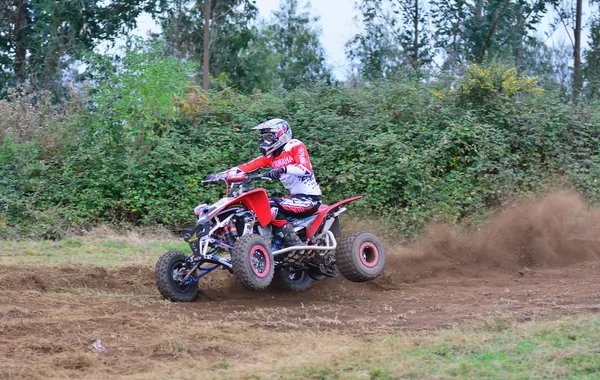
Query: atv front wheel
{"x": 170, "y": 270}
{"x": 294, "y": 281}
{"x": 360, "y": 256}
{"x": 252, "y": 262}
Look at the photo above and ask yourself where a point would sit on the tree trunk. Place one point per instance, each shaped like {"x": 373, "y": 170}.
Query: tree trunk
{"x": 206, "y": 51}
{"x": 519, "y": 33}
{"x": 178, "y": 28}
{"x": 415, "y": 58}
{"x": 479, "y": 10}
{"x": 577, "y": 78}
{"x": 492, "y": 31}
{"x": 20, "y": 39}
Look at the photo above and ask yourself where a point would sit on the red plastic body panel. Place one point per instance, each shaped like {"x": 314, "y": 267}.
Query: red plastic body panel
{"x": 255, "y": 200}
{"x": 322, "y": 212}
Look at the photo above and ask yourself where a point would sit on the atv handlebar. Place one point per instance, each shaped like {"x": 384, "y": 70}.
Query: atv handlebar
{"x": 218, "y": 178}
{"x": 212, "y": 179}
{"x": 257, "y": 178}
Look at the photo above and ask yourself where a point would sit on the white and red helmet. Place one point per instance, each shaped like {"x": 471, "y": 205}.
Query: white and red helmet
{"x": 274, "y": 134}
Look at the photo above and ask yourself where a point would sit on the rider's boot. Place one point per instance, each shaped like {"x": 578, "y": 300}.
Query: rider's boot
{"x": 290, "y": 238}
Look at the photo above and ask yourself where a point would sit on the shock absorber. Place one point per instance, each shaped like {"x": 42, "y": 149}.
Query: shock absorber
{"x": 248, "y": 226}
{"x": 230, "y": 233}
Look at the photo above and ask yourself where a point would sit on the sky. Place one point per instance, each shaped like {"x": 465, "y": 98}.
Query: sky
{"x": 338, "y": 24}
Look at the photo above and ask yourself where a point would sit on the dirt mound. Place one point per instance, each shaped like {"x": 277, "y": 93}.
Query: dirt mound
{"x": 126, "y": 280}
{"x": 136, "y": 280}
{"x": 557, "y": 230}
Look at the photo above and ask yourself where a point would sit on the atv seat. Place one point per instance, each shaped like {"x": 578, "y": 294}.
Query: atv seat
{"x": 300, "y": 223}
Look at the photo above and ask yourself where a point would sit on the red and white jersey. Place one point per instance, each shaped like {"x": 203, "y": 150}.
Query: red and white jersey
{"x": 298, "y": 177}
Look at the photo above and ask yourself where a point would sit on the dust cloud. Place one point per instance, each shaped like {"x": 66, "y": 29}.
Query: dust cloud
{"x": 556, "y": 230}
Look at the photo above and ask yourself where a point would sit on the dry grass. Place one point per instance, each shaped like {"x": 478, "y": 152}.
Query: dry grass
{"x": 132, "y": 235}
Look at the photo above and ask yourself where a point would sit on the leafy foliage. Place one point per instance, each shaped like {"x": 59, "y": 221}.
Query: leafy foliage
{"x": 396, "y": 39}
{"x": 39, "y": 39}
{"x": 591, "y": 69}
{"x": 134, "y": 103}
{"x": 281, "y": 54}
{"x": 230, "y": 32}
{"x": 480, "y": 84}
{"x": 294, "y": 36}
{"x": 418, "y": 152}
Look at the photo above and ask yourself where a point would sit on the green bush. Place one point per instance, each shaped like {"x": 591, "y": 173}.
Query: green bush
{"x": 418, "y": 152}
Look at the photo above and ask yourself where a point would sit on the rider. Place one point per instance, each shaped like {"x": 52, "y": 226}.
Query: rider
{"x": 290, "y": 163}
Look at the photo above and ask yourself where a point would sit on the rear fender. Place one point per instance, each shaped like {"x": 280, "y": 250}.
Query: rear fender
{"x": 316, "y": 224}
{"x": 255, "y": 200}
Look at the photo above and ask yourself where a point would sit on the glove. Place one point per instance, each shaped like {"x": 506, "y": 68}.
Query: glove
{"x": 236, "y": 177}
{"x": 275, "y": 173}
{"x": 233, "y": 175}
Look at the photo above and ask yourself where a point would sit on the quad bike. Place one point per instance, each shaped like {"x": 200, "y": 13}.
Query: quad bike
{"x": 235, "y": 234}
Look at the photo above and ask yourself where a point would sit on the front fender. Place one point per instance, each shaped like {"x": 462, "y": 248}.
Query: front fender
{"x": 255, "y": 200}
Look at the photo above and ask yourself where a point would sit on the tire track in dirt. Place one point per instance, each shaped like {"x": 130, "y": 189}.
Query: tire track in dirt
{"x": 430, "y": 303}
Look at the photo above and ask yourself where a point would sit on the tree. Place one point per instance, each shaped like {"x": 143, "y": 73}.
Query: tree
{"x": 207, "y": 11}
{"x": 210, "y": 32}
{"x": 591, "y": 67}
{"x": 449, "y": 18}
{"x": 294, "y": 37}
{"x": 551, "y": 65}
{"x": 284, "y": 52}
{"x": 468, "y": 31}
{"x": 577, "y": 77}
{"x": 395, "y": 39}
{"x": 259, "y": 62}
{"x": 38, "y": 39}
{"x": 570, "y": 16}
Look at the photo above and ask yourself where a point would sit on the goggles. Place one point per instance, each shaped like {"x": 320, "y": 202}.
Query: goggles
{"x": 268, "y": 138}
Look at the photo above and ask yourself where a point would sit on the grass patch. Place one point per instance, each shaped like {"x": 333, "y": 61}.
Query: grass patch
{"x": 560, "y": 349}
{"x": 224, "y": 365}
{"x": 109, "y": 252}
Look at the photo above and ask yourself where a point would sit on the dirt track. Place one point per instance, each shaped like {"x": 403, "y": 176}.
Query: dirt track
{"x": 52, "y": 323}
{"x": 386, "y": 305}
{"x": 50, "y": 315}
{"x": 50, "y": 319}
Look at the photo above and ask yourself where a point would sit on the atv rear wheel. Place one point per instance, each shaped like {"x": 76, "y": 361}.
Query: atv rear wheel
{"x": 294, "y": 281}
{"x": 170, "y": 268}
{"x": 252, "y": 262}
{"x": 360, "y": 256}
{"x": 315, "y": 274}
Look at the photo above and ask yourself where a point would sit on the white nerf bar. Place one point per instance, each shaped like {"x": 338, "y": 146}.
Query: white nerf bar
{"x": 329, "y": 239}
